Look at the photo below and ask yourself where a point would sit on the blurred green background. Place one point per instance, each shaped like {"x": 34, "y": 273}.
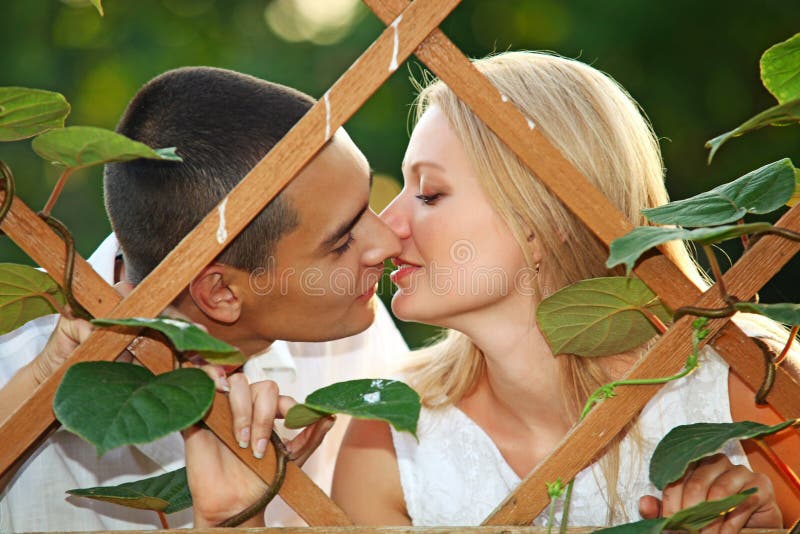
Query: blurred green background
{"x": 692, "y": 65}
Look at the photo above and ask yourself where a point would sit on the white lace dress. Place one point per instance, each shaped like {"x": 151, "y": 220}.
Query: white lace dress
{"x": 456, "y": 476}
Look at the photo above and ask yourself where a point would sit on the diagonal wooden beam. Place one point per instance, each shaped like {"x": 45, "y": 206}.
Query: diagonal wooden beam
{"x": 583, "y": 443}
{"x": 201, "y": 246}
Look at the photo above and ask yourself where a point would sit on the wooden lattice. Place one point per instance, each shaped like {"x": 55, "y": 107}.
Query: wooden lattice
{"x": 411, "y": 28}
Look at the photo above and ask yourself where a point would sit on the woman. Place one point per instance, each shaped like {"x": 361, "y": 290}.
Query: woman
{"x": 496, "y": 399}
{"x": 482, "y": 243}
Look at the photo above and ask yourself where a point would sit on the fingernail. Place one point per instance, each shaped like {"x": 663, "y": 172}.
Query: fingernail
{"x": 260, "y": 448}
{"x": 244, "y": 437}
{"x": 223, "y": 384}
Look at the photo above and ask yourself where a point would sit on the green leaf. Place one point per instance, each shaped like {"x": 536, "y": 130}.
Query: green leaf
{"x": 84, "y": 146}
{"x": 779, "y": 115}
{"x": 301, "y": 415}
{"x": 698, "y": 516}
{"x": 23, "y": 295}
{"x": 599, "y": 316}
{"x": 111, "y": 404}
{"x": 628, "y": 248}
{"x": 168, "y": 493}
{"x": 796, "y": 195}
{"x": 386, "y": 400}
{"x": 28, "y": 112}
{"x": 646, "y": 526}
{"x": 786, "y": 313}
{"x": 185, "y": 337}
{"x": 692, "y": 519}
{"x": 760, "y": 191}
{"x": 780, "y": 69}
{"x": 686, "y": 443}
{"x": 98, "y": 4}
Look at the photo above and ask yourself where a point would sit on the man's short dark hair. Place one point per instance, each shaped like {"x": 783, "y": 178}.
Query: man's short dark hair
{"x": 222, "y": 123}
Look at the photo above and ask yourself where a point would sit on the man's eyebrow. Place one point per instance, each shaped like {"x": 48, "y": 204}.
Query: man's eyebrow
{"x": 346, "y": 227}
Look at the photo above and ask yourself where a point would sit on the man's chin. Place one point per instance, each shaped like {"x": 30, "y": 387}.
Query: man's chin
{"x": 354, "y": 323}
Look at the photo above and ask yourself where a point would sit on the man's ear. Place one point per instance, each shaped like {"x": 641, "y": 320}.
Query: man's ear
{"x": 214, "y": 294}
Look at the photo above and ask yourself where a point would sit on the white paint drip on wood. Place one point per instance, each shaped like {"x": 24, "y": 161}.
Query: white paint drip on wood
{"x": 327, "y": 116}
{"x": 222, "y": 232}
{"x": 395, "y": 24}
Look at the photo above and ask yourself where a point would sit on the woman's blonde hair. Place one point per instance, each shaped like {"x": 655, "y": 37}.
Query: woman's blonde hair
{"x": 602, "y": 132}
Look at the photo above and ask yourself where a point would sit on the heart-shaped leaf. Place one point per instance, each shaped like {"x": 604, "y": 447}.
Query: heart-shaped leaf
{"x": 25, "y": 294}
{"x": 185, "y": 337}
{"x": 760, "y": 191}
{"x": 27, "y": 112}
{"x": 386, "y": 400}
{"x": 111, "y": 404}
{"x": 168, "y": 493}
{"x": 780, "y": 69}
{"x": 99, "y": 6}
{"x": 786, "y": 313}
{"x": 698, "y": 516}
{"x": 628, "y": 248}
{"x": 686, "y": 443}
{"x": 84, "y": 146}
{"x": 780, "y": 115}
{"x": 599, "y": 316}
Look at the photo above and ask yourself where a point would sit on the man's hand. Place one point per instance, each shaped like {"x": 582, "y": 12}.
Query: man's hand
{"x": 221, "y": 485}
{"x": 69, "y": 333}
{"x": 713, "y": 478}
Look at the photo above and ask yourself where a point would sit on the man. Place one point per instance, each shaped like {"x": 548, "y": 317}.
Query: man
{"x": 304, "y": 270}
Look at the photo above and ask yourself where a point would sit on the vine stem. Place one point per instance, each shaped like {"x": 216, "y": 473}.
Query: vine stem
{"x": 7, "y": 180}
{"x": 653, "y": 318}
{"x": 715, "y": 270}
{"x": 785, "y": 352}
{"x": 783, "y": 232}
{"x": 163, "y": 519}
{"x": 281, "y": 457}
{"x": 787, "y": 472}
{"x": 565, "y": 513}
{"x": 745, "y": 238}
{"x": 62, "y": 180}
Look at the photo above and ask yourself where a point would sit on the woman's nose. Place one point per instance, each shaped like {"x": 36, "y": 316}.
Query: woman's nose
{"x": 384, "y": 243}
{"x": 395, "y": 218}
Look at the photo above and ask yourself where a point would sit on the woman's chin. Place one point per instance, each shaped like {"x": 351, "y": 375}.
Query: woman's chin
{"x": 410, "y": 309}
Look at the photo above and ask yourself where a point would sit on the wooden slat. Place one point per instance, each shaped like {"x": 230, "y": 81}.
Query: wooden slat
{"x": 200, "y": 247}
{"x": 390, "y": 530}
{"x": 574, "y": 190}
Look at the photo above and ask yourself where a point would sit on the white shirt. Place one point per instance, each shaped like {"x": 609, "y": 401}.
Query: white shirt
{"x": 454, "y": 474}
{"x": 35, "y": 499}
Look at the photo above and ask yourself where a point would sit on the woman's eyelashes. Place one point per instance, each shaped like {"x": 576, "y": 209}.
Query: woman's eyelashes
{"x": 429, "y": 199}
{"x": 338, "y": 251}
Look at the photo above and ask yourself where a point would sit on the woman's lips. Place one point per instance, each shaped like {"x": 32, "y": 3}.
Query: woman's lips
{"x": 403, "y": 271}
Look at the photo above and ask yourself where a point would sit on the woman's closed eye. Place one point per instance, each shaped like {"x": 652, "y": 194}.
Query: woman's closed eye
{"x": 429, "y": 199}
